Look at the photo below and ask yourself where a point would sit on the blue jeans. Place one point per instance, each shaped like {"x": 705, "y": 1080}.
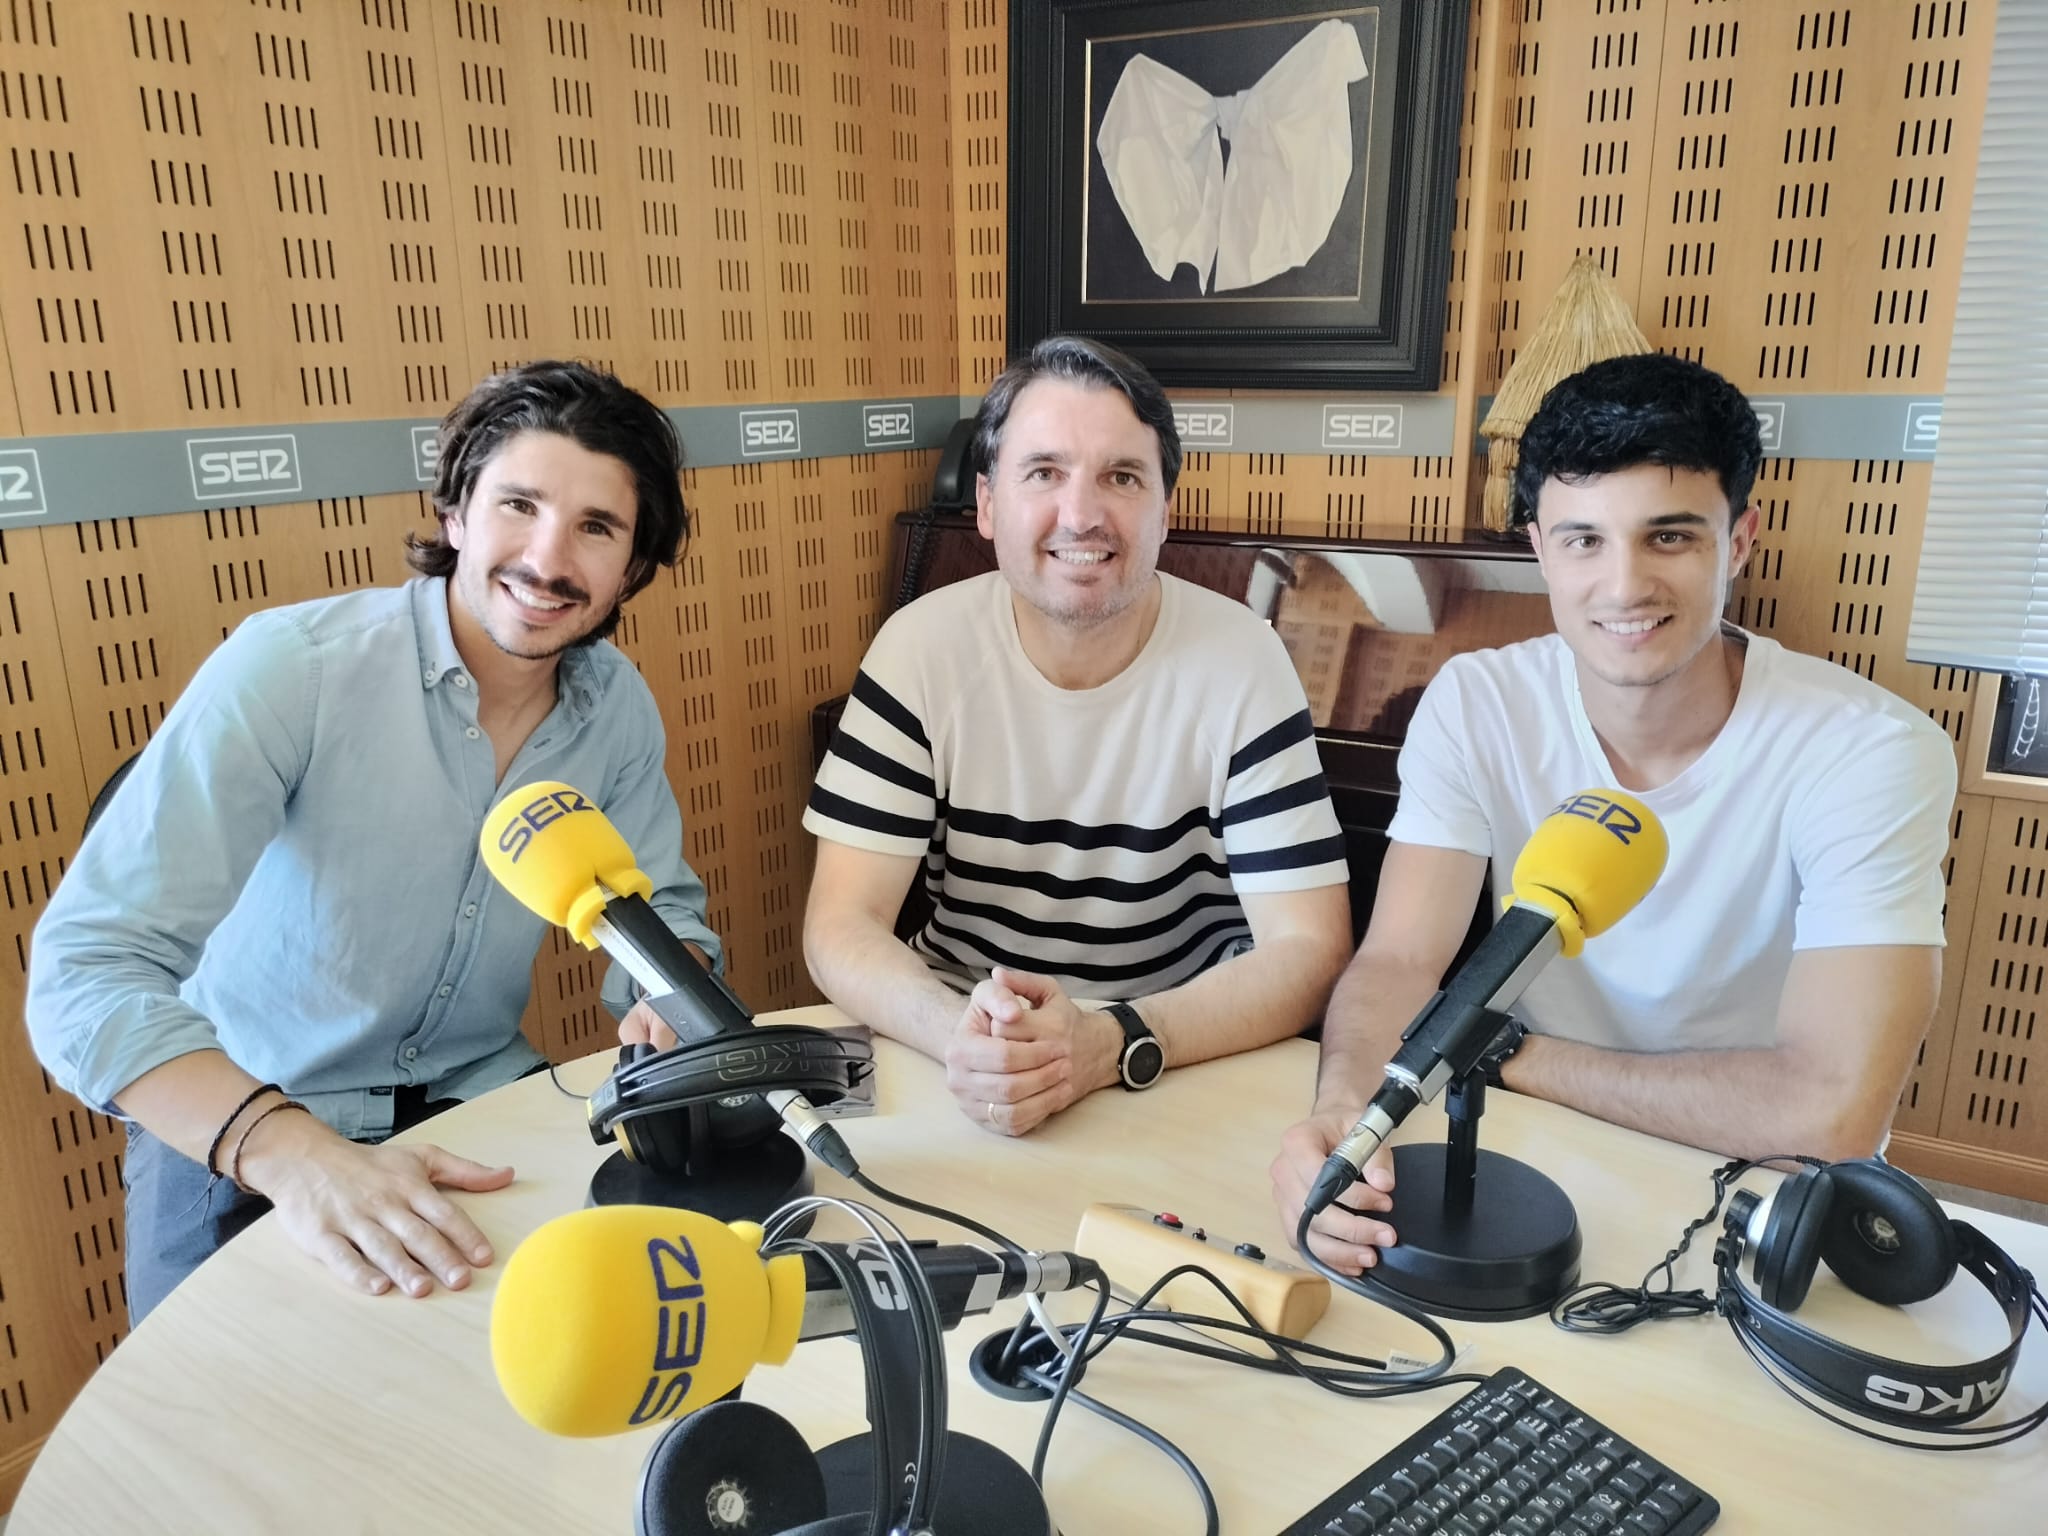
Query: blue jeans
{"x": 173, "y": 1222}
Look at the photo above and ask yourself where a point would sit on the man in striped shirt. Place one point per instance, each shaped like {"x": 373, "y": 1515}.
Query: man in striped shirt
{"x": 1107, "y": 775}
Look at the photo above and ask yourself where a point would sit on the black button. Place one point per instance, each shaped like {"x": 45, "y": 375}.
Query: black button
{"x": 1250, "y": 1251}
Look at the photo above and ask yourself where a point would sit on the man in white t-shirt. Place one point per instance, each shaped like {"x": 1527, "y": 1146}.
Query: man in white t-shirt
{"x": 1108, "y": 778}
{"x": 1770, "y": 992}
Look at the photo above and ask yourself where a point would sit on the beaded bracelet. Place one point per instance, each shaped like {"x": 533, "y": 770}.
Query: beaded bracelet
{"x": 235, "y": 1163}
{"x": 212, "y": 1152}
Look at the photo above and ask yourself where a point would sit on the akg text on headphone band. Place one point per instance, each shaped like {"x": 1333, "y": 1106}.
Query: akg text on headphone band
{"x": 1906, "y": 1394}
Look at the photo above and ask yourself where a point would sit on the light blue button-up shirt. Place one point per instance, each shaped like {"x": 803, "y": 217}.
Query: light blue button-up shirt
{"x": 290, "y": 874}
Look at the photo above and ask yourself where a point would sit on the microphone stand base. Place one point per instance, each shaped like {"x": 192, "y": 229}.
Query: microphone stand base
{"x": 746, "y": 1184}
{"x": 1510, "y": 1252}
{"x": 983, "y": 1491}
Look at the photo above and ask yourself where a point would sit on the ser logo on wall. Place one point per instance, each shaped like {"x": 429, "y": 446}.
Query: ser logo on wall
{"x": 426, "y": 454}
{"x": 888, "y": 426}
{"x": 238, "y": 468}
{"x": 1204, "y": 427}
{"x": 1923, "y": 428}
{"x": 770, "y": 434}
{"x": 1361, "y": 426}
{"x": 1770, "y": 423}
{"x": 21, "y": 484}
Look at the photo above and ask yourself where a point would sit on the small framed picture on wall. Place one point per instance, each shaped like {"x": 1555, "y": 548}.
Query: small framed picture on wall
{"x": 1249, "y": 192}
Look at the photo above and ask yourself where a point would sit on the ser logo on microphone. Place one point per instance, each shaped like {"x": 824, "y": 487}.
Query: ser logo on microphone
{"x": 536, "y": 814}
{"x": 679, "y": 1327}
{"x": 1614, "y": 817}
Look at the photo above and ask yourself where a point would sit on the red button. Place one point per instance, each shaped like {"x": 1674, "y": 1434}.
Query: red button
{"x": 1167, "y": 1219}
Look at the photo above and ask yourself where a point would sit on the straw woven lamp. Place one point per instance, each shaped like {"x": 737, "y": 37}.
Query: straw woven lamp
{"x": 1587, "y": 320}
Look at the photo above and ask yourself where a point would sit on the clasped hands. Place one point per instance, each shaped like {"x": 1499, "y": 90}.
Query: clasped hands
{"x": 1023, "y": 1051}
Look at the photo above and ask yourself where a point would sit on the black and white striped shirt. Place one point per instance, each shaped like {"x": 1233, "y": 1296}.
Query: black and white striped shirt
{"x": 1100, "y": 836}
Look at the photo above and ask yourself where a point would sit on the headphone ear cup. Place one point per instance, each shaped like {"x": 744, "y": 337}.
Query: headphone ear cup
{"x": 1790, "y": 1250}
{"x": 732, "y": 1466}
{"x": 659, "y": 1141}
{"x": 1885, "y": 1236}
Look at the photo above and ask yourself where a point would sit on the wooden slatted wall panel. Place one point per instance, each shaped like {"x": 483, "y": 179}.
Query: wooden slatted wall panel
{"x": 226, "y": 211}
{"x": 978, "y": 109}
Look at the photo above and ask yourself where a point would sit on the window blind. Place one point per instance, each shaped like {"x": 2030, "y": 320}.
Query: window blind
{"x": 1982, "y": 596}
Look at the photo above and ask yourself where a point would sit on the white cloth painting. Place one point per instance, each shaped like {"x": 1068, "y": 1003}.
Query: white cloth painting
{"x": 1290, "y": 160}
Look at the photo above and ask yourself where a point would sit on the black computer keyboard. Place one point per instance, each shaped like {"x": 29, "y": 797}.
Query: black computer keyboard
{"x": 1514, "y": 1458}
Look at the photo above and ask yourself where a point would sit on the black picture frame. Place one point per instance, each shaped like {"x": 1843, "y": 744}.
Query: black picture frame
{"x": 1365, "y": 310}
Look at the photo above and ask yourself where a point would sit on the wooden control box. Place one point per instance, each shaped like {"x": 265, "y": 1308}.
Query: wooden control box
{"x": 1136, "y": 1246}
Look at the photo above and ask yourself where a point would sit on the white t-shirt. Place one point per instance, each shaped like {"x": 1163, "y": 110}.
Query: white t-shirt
{"x": 1817, "y": 818}
{"x": 1100, "y": 835}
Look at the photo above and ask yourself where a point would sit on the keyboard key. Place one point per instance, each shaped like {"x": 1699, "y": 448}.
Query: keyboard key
{"x": 1424, "y": 1471}
{"x": 1521, "y": 1482}
{"x": 1491, "y": 1460}
{"x": 1552, "y": 1504}
{"x": 1630, "y": 1485}
{"x": 1681, "y": 1494}
{"x": 1667, "y": 1510}
{"x": 1645, "y": 1522}
{"x": 1439, "y": 1504}
{"x": 1467, "y": 1435}
{"x": 1615, "y": 1509}
{"x": 1379, "y": 1503}
{"x": 1462, "y": 1484}
{"x": 1495, "y": 1510}
{"x": 1406, "y": 1485}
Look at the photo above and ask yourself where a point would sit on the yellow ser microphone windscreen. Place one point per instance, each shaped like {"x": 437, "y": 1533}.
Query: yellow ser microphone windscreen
{"x": 550, "y": 846}
{"x": 1598, "y": 854}
{"x": 622, "y": 1315}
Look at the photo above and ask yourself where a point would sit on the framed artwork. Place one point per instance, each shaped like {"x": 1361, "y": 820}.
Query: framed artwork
{"x": 1238, "y": 192}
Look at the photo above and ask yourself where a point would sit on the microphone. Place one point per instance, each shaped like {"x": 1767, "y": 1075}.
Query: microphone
{"x": 621, "y": 1315}
{"x": 1584, "y": 868}
{"x": 555, "y": 851}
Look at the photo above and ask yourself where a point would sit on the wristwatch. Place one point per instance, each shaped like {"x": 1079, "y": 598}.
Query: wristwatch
{"x": 1143, "y": 1059}
{"x": 1505, "y": 1044}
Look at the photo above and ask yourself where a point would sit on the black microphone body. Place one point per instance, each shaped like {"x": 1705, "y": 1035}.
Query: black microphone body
{"x": 965, "y": 1280}
{"x": 1447, "y": 1039}
{"x": 697, "y": 1006}
{"x": 690, "y": 999}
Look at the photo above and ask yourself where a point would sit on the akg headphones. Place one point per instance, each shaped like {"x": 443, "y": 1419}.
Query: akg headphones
{"x": 1884, "y": 1237}
{"x": 661, "y": 1106}
{"x": 737, "y": 1466}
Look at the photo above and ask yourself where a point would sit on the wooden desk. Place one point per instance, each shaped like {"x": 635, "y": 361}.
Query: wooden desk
{"x": 262, "y": 1397}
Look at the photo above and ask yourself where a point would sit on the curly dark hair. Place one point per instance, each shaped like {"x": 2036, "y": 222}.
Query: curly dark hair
{"x": 595, "y": 411}
{"x": 1643, "y": 409}
{"x": 1078, "y": 360}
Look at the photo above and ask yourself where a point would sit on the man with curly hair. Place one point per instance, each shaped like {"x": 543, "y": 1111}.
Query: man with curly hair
{"x": 279, "y": 944}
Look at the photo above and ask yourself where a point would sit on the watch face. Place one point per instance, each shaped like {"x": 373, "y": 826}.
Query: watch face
{"x": 1143, "y": 1062}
